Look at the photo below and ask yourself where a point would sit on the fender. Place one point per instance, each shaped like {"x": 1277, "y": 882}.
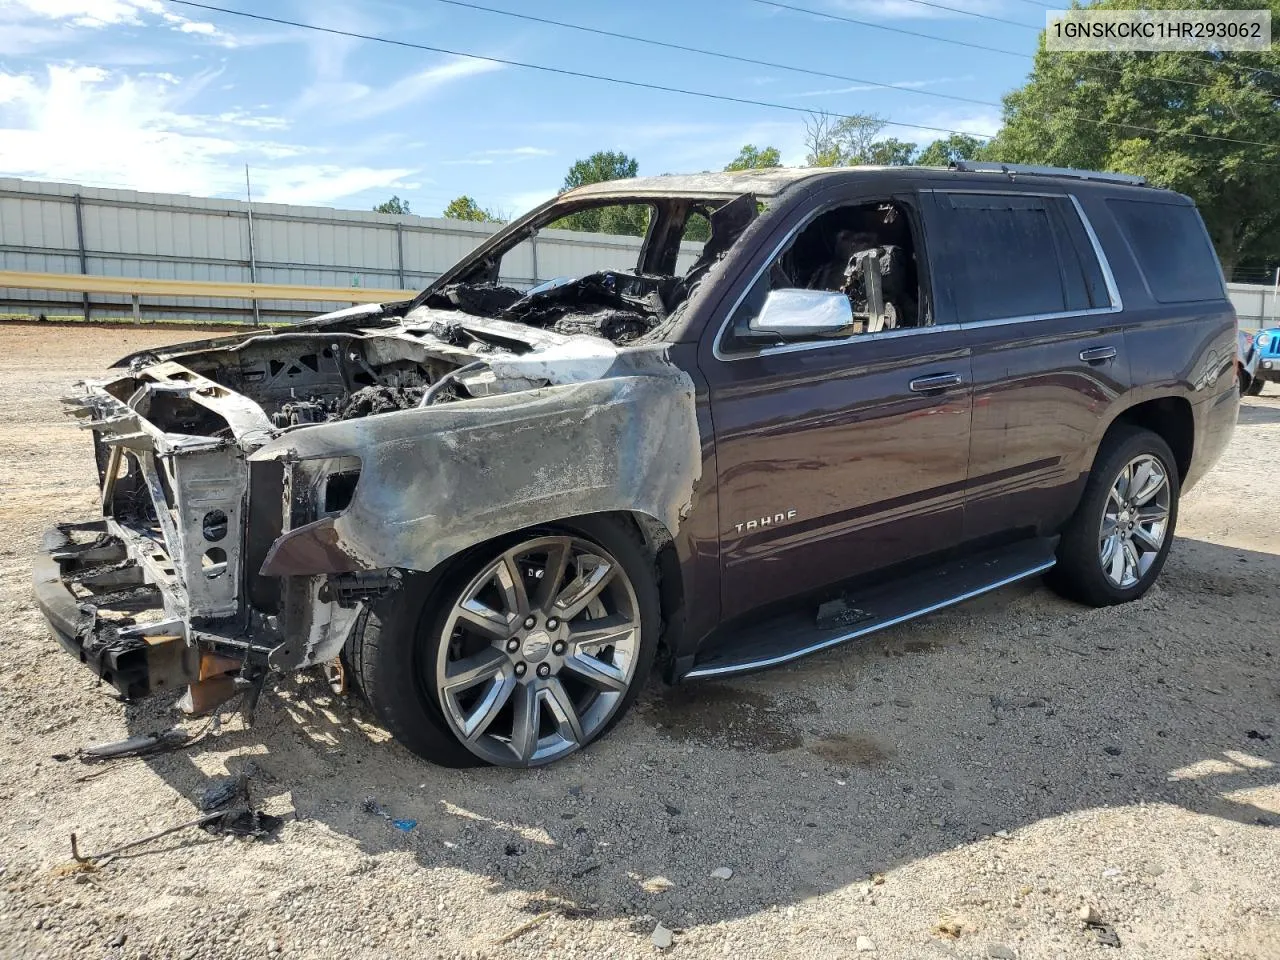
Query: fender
{"x": 438, "y": 480}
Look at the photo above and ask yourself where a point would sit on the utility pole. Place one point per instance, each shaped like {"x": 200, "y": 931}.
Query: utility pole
{"x": 253, "y": 260}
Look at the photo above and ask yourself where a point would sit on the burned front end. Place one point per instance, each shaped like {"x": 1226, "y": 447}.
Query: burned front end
{"x": 257, "y": 494}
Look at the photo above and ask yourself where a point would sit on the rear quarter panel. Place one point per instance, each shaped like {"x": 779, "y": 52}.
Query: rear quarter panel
{"x": 1184, "y": 350}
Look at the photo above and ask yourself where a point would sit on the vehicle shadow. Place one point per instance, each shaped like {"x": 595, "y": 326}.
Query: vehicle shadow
{"x": 993, "y": 716}
{"x": 1254, "y": 413}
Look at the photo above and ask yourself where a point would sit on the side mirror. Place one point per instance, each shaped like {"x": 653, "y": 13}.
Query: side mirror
{"x": 801, "y": 315}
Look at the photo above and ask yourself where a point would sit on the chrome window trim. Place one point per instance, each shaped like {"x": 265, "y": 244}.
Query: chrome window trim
{"x": 1108, "y": 278}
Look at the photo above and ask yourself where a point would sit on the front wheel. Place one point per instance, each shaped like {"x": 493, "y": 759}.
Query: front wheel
{"x": 1116, "y": 543}
{"x": 1255, "y": 387}
{"x": 526, "y": 652}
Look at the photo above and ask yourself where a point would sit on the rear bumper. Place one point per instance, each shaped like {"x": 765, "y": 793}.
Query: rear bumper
{"x": 104, "y": 613}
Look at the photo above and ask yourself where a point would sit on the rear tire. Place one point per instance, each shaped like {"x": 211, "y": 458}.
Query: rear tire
{"x": 445, "y": 683}
{"x": 1116, "y": 543}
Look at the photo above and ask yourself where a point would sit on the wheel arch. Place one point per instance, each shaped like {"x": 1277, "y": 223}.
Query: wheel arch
{"x": 1170, "y": 418}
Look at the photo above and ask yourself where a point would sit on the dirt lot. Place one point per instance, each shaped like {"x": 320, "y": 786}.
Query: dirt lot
{"x": 956, "y": 787}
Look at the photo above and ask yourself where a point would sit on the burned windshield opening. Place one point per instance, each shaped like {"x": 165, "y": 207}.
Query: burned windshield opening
{"x": 642, "y": 262}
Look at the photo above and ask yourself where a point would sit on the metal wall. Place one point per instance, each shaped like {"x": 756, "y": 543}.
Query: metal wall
{"x": 1257, "y": 305}
{"x": 64, "y": 228}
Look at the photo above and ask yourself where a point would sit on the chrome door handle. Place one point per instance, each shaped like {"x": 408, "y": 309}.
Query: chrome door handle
{"x": 1097, "y": 354}
{"x": 939, "y": 382}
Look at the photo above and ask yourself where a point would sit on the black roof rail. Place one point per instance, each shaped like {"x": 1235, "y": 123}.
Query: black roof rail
{"x": 981, "y": 166}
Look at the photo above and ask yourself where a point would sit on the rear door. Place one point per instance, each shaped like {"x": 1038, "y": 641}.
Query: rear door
{"x": 839, "y": 456}
{"x": 1026, "y": 279}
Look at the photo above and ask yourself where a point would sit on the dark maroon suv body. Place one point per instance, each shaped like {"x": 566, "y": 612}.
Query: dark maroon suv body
{"x": 870, "y": 393}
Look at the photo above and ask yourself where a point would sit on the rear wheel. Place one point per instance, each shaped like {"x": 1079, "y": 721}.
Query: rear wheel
{"x": 529, "y": 650}
{"x": 1116, "y": 543}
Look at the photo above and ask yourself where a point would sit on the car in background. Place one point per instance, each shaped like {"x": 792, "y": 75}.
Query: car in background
{"x": 1266, "y": 344}
{"x": 1247, "y": 364}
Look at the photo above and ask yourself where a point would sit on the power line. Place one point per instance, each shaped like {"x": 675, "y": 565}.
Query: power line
{"x": 766, "y": 63}
{"x": 645, "y": 85}
{"x": 842, "y": 18}
{"x": 710, "y": 53}
{"x": 971, "y": 13}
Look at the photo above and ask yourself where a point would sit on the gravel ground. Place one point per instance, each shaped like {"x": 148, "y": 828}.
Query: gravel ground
{"x": 957, "y": 787}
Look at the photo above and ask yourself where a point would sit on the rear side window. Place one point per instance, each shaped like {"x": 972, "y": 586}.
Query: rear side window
{"x": 1006, "y": 256}
{"x": 1172, "y": 249}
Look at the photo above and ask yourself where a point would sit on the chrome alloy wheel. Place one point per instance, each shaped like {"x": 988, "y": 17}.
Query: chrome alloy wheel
{"x": 1135, "y": 521}
{"x": 538, "y": 651}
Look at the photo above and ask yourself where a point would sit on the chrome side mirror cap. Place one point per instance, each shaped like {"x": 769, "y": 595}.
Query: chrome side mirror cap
{"x": 802, "y": 314}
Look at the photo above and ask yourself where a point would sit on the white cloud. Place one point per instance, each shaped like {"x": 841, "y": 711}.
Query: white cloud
{"x": 907, "y": 10}
{"x": 895, "y": 84}
{"x": 98, "y": 14}
{"x": 143, "y": 138}
{"x": 976, "y": 122}
{"x": 519, "y": 152}
{"x": 414, "y": 87}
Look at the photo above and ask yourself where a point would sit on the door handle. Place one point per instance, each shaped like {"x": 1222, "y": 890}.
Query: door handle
{"x": 939, "y": 382}
{"x": 1097, "y": 354}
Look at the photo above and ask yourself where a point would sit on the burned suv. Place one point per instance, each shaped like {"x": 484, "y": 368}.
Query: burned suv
{"x": 807, "y": 405}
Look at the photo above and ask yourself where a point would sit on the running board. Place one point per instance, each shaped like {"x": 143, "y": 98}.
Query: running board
{"x": 797, "y": 634}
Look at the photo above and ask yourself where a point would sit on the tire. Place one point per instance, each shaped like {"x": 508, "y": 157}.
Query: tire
{"x": 1086, "y": 570}
{"x": 1255, "y": 387}
{"x": 1245, "y": 381}
{"x": 420, "y": 637}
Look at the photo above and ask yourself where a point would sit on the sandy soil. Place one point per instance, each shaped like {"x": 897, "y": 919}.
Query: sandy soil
{"x": 957, "y": 787}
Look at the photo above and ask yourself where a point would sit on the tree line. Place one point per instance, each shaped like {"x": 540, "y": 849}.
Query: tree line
{"x": 1207, "y": 126}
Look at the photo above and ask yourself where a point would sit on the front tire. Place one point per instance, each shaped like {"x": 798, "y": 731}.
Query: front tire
{"x": 1255, "y": 387}
{"x": 1116, "y": 543}
{"x": 523, "y": 652}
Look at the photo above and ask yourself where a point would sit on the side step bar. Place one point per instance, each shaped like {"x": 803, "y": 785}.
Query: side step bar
{"x": 797, "y": 634}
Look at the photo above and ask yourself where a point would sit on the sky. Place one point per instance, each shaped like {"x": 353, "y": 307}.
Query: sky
{"x": 153, "y": 95}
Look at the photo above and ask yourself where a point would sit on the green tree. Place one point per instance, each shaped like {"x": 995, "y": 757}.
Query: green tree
{"x": 394, "y": 205}
{"x": 465, "y": 208}
{"x": 1148, "y": 105}
{"x": 891, "y": 152}
{"x": 957, "y": 146}
{"x": 601, "y": 166}
{"x": 851, "y": 141}
{"x": 621, "y": 219}
{"x": 752, "y": 157}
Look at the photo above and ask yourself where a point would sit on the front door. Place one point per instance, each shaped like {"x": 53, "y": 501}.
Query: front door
{"x": 837, "y": 457}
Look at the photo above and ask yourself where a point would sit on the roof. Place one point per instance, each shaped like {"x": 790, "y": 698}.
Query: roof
{"x": 762, "y": 183}
{"x": 776, "y": 180}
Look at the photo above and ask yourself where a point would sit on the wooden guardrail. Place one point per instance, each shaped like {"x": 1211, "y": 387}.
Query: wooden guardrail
{"x": 139, "y": 287}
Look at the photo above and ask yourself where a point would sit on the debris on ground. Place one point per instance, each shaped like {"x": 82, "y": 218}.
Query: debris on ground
{"x": 662, "y": 937}
{"x": 722, "y": 873}
{"x": 243, "y": 822}
{"x": 222, "y": 791}
{"x": 403, "y": 825}
{"x": 525, "y": 927}
{"x": 1104, "y": 932}
{"x": 865, "y": 944}
{"x": 140, "y": 746}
